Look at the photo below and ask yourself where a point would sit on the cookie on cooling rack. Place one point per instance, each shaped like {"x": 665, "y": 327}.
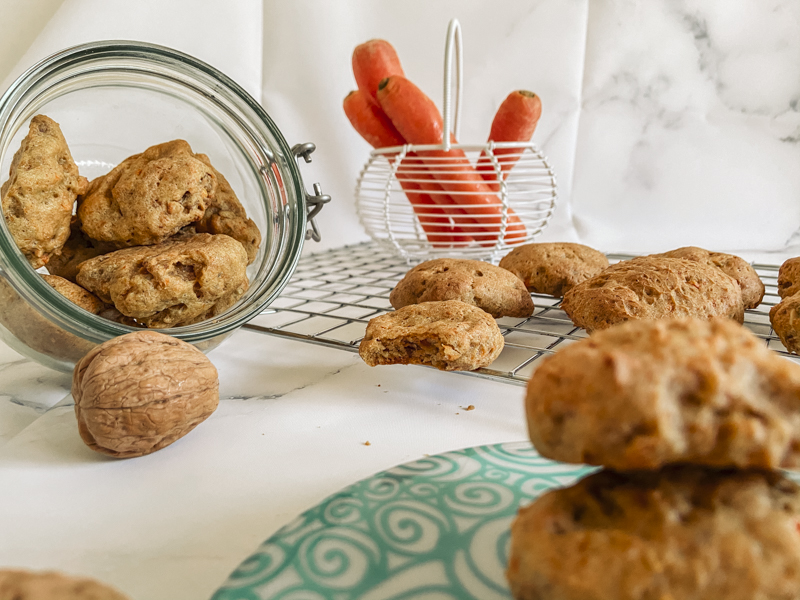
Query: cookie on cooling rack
{"x": 789, "y": 278}
{"x": 785, "y": 320}
{"x": 481, "y": 284}
{"x": 652, "y": 287}
{"x": 734, "y": 266}
{"x": 553, "y": 268}
{"x": 645, "y": 394}
{"x": 683, "y": 532}
{"x": 449, "y": 335}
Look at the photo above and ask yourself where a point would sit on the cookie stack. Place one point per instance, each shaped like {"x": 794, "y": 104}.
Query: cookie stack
{"x": 691, "y": 420}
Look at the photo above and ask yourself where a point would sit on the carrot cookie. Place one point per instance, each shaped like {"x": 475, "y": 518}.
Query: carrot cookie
{"x": 75, "y": 294}
{"x": 649, "y": 393}
{"x": 169, "y": 284}
{"x": 449, "y": 335}
{"x": 554, "y": 268}
{"x": 38, "y": 197}
{"x": 16, "y": 584}
{"x": 652, "y": 287}
{"x": 738, "y": 268}
{"x": 789, "y": 278}
{"x": 481, "y": 284}
{"x": 684, "y": 532}
{"x": 148, "y": 197}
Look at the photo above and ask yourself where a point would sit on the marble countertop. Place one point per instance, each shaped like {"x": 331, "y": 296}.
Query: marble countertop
{"x": 290, "y": 430}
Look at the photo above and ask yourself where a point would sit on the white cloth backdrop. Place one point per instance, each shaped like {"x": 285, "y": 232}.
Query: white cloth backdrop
{"x": 668, "y": 123}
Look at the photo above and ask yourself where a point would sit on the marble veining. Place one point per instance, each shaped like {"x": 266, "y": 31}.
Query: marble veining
{"x": 689, "y": 125}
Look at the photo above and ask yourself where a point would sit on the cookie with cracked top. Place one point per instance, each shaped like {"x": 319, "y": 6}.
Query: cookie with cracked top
{"x": 730, "y": 264}
{"x": 481, "y": 284}
{"x": 553, "y": 268}
{"x": 645, "y": 394}
{"x": 785, "y": 320}
{"x": 789, "y": 278}
{"x": 652, "y": 287}
{"x": 683, "y": 532}
{"x": 42, "y": 187}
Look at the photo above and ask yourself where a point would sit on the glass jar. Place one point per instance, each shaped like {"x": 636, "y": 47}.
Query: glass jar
{"x": 114, "y": 99}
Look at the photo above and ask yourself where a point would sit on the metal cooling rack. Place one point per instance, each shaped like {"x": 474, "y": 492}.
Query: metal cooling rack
{"x": 333, "y": 295}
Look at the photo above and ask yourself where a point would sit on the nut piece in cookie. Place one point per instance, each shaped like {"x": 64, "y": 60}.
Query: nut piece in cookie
{"x": 226, "y": 215}
{"x": 738, "y": 268}
{"x": 449, "y": 335}
{"x": 653, "y": 287}
{"x": 649, "y": 393}
{"x": 481, "y": 284}
{"x": 16, "y": 584}
{"x": 38, "y": 197}
{"x": 169, "y": 284}
{"x": 75, "y": 294}
{"x": 684, "y": 532}
{"x": 148, "y": 197}
{"x": 554, "y": 268}
{"x": 789, "y": 278}
{"x": 140, "y": 392}
{"x": 785, "y": 320}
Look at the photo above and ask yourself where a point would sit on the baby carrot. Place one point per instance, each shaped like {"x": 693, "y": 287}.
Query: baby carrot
{"x": 373, "y": 61}
{"x": 376, "y": 128}
{"x": 418, "y": 120}
{"x": 515, "y": 121}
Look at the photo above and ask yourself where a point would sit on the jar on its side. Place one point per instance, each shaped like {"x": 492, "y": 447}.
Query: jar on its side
{"x": 112, "y": 100}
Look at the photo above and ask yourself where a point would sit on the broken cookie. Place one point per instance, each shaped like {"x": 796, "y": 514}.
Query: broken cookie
{"x": 449, "y": 335}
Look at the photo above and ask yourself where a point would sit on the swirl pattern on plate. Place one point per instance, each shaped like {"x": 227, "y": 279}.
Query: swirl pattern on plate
{"x": 434, "y": 528}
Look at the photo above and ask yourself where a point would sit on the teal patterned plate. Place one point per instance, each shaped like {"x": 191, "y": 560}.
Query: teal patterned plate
{"x": 433, "y": 529}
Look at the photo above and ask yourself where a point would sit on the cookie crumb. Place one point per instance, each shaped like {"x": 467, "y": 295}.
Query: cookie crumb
{"x": 470, "y": 407}
{"x": 367, "y": 443}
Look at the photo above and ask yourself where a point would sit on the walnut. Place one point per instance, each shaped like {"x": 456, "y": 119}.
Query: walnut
{"x": 49, "y": 585}
{"x": 140, "y": 392}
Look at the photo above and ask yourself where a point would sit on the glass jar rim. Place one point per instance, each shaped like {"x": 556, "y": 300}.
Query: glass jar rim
{"x": 215, "y": 87}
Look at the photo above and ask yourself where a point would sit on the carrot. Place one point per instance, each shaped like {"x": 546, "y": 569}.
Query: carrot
{"x": 418, "y": 120}
{"x": 370, "y": 121}
{"x": 515, "y": 121}
{"x": 376, "y": 128}
{"x": 373, "y": 61}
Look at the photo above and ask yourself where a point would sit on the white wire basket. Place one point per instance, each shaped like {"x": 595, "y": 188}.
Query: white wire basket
{"x": 456, "y": 200}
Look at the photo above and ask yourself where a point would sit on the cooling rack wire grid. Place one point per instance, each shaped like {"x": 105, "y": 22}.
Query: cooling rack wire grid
{"x": 333, "y": 295}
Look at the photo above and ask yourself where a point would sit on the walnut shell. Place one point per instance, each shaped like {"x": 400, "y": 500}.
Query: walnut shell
{"x": 140, "y": 392}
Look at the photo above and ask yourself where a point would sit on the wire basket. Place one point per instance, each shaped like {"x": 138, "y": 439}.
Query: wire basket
{"x": 454, "y": 199}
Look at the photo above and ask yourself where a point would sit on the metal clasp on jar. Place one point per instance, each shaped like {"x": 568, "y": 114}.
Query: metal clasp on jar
{"x": 314, "y": 202}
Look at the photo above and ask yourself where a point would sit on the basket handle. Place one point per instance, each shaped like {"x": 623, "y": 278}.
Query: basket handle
{"x": 453, "y": 40}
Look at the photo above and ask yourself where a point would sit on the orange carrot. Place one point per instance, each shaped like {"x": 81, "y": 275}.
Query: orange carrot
{"x": 515, "y": 121}
{"x": 418, "y": 120}
{"x": 373, "y": 61}
{"x": 376, "y": 128}
{"x": 370, "y": 121}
